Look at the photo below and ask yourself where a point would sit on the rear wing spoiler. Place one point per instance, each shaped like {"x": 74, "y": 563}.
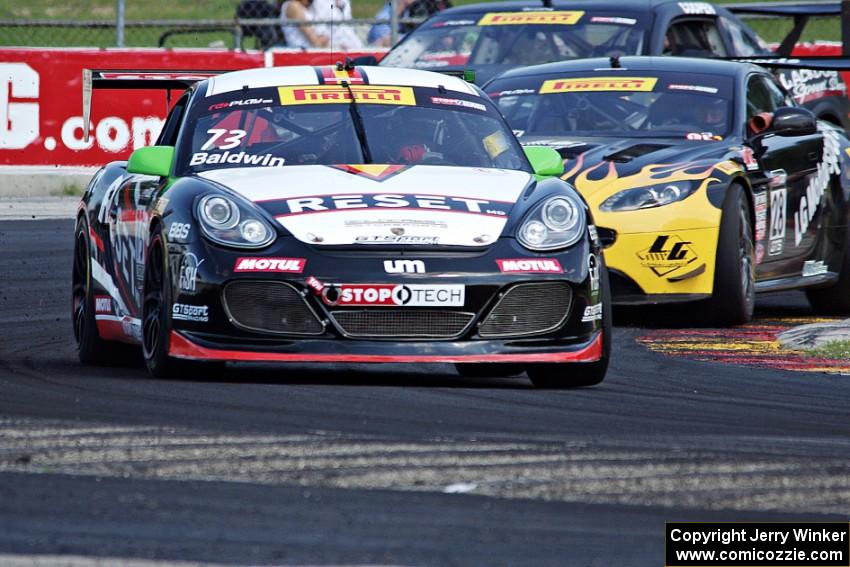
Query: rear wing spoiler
{"x": 166, "y": 80}
{"x": 816, "y": 63}
{"x": 801, "y": 12}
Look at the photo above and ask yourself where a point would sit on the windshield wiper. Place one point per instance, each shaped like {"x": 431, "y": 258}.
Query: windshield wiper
{"x": 358, "y": 124}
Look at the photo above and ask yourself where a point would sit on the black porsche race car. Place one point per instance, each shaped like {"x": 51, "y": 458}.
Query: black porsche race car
{"x": 491, "y": 37}
{"x": 706, "y": 181}
{"x": 339, "y": 215}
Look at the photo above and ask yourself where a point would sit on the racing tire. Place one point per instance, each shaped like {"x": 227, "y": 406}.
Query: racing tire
{"x": 488, "y": 369}
{"x": 156, "y": 319}
{"x": 561, "y": 376}
{"x": 91, "y": 349}
{"x": 835, "y": 299}
{"x": 733, "y": 299}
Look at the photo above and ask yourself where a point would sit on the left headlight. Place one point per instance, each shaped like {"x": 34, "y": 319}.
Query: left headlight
{"x": 556, "y": 222}
{"x": 647, "y": 197}
{"x": 231, "y": 223}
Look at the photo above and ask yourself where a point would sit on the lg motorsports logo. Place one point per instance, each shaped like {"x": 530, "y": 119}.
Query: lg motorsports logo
{"x": 667, "y": 254}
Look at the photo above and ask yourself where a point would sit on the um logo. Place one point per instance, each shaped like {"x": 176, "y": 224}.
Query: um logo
{"x": 404, "y": 266}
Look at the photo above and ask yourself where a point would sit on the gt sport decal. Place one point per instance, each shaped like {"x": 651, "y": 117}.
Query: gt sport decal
{"x": 555, "y": 17}
{"x": 276, "y": 265}
{"x": 195, "y": 313}
{"x": 388, "y": 201}
{"x": 592, "y": 84}
{"x": 530, "y": 266}
{"x": 390, "y": 295}
{"x": 592, "y": 313}
{"x": 667, "y": 254}
{"x": 337, "y": 94}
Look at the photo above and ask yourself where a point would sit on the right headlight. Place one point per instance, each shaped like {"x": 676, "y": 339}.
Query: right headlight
{"x": 647, "y": 197}
{"x": 556, "y": 222}
{"x": 227, "y": 222}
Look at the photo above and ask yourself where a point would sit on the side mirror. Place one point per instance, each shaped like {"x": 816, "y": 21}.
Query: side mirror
{"x": 793, "y": 121}
{"x": 545, "y": 161}
{"x": 152, "y": 160}
{"x": 365, "y": 60}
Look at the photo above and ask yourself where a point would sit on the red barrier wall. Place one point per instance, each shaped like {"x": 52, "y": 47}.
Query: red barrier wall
{"x": 41, "y": 99}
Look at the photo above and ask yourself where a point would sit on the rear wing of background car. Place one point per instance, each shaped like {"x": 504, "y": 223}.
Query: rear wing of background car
{"x": 800, "y": 12}
{"x": 137, "y": 79}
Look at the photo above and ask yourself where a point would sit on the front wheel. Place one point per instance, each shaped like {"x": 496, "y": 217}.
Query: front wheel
{"x": 733, "y": 299}
{"x": 559, "y": 376}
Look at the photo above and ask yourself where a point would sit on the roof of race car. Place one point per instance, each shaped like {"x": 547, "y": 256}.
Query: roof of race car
{"x": 637, "y": 62}
{"x": 306, "y": 75}
{"x": 626, "y": 5}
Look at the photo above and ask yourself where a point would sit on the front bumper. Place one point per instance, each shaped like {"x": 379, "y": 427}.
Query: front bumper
{"x": 219, "y": 335}
{"x": 196, "y": 347}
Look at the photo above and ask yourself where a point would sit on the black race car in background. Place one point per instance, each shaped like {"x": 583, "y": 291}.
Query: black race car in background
{"x": 491, "y": 37}
{"x": 339, "y": 215}
{"x": 706, "y": 181}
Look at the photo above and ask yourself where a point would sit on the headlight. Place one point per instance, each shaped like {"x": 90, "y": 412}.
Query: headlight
{"x": 647, "y": 197}
{"x": 557, "y": 222}
{"x": 228, "y": 222}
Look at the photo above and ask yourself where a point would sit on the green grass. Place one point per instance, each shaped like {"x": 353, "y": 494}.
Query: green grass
{"x": 770, "y": 30}
{"x": 835, "y": 349}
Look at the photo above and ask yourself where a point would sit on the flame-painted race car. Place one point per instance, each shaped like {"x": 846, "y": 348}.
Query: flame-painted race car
{"x": 705, "y": 180}
{"x": 339, "y": 215}
{"x": 492, "y": 37}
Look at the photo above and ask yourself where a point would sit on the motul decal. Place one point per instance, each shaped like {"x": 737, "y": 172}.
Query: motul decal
{"x": 389, "y": 295}
{"x": 279, "y": 265}
{"x": 531, "y": 266}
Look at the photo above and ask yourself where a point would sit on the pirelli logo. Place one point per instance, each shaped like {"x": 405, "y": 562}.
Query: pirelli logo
{"x": 644, "y": 84}
{"x": 337, "y": 94}
{"x": 555, "y": 17}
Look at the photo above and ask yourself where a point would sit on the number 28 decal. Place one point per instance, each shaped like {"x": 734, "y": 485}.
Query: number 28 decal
{"x": 223, "y": 139}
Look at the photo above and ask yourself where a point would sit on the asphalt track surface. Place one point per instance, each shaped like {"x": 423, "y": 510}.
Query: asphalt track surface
{"x": 388, "y": 464}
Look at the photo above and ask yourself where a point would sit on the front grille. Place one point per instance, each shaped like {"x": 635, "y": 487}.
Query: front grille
{"x": 402, "y": 323}
{"x": 528, "y": 309}
{"x": 271, "y": 307}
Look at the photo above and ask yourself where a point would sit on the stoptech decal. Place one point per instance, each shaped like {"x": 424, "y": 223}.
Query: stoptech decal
{"x": 379, "y": 201}
{"x": 278, "y": 265}
{"x": 337, "y": 94}
{"x": 810, "y": 202}
{"x": 388, "y": 295}
{"x": 592, "y": 84}
{"x": 667, "y": 254}
{"x": 555, "y": 17}
{"x": 530, "y": 266}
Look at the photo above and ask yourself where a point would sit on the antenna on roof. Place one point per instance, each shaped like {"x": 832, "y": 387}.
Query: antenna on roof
{"x": 615, "y": 61}
{"x": 332, "y": 31}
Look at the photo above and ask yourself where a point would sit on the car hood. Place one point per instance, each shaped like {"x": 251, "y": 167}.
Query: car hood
{"x": 382, "y": 204}
{"x": 599, "y": 167}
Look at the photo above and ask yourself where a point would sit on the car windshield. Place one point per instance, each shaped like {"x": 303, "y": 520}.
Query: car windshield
{"x": 519, "y": 38}
{"x": 318, "y": 125}
{"x": 617, "y": 103}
